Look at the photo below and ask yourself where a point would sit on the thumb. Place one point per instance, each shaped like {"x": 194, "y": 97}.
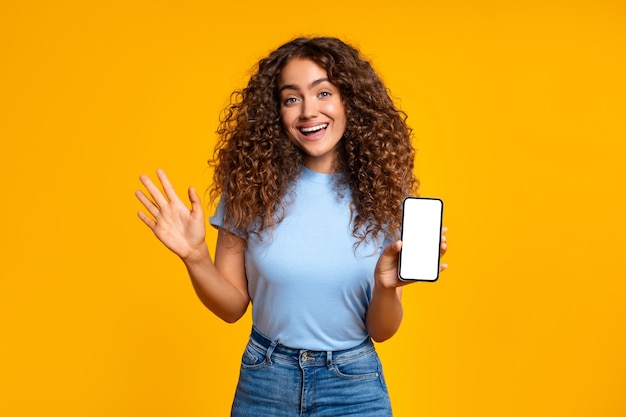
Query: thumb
{"x": 388, "y": 260}
{"x": 194, "y": 199}
{"x": 389, "y": 257}
{"x": 392, "y": 249}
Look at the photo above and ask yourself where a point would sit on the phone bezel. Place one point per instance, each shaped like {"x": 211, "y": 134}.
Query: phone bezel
{"x": 440, "y": 217}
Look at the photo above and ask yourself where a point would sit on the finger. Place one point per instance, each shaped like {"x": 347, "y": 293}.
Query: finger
{"x": 443, "y": 249}
{"x": 147, "y": 220}
{"x": 147, "y": 203}
{"x": 194, "y": 199}
{"x": 154, "y": 191}
{"x": 443, "y": 267}
{"x": 388, "y": 260}
{"x": 389, "y": 255}
{"x": 392, "y": 249}
{"x": 170, "y": 192}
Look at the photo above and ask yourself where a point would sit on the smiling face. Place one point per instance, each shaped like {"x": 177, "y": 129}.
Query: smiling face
{"x": 312, "y": 112}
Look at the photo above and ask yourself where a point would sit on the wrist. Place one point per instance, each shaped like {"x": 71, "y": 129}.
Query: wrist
{"x": 196, "y": 255}
{"x": 385, "y": 291}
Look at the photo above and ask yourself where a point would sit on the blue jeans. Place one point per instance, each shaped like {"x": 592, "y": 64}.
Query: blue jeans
{"x": 279, "y": 381}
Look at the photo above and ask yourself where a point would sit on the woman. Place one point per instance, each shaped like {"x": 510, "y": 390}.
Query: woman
{"x": 311, "y": 168}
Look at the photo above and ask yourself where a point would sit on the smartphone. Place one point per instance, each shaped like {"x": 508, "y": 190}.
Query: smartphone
{"x": 421, "y": 239}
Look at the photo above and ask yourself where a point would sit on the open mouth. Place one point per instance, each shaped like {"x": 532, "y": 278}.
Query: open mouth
{"x": 313, "y": 129}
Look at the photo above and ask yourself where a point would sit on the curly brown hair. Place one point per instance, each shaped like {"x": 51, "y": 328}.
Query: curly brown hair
{"x": 255, "y": 162}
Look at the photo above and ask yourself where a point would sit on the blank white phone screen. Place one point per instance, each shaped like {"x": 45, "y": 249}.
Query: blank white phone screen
{"x": 421, "y": 239}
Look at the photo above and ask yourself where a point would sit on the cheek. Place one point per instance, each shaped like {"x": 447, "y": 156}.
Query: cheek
{"x": 286, "y": 118}
{"x": 338, "y": 111}
{"x": 340, "y": 116}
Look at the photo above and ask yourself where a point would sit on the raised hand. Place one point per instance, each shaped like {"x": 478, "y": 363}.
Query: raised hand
{"x": 180, "y": 229}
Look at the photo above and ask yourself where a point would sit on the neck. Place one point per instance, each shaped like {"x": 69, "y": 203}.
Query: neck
{"x": 323, "y": 167}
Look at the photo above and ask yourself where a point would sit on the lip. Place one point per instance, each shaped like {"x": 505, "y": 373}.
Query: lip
{"x": 310, "y": 125}
{"x": 315, "y": 135}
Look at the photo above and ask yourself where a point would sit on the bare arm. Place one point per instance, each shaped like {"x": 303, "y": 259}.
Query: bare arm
{"x": 384, "y": 314}
{"x": 221, "y": 286}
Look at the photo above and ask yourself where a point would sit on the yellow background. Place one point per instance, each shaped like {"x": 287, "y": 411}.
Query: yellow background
{"x": 519, "y": 114}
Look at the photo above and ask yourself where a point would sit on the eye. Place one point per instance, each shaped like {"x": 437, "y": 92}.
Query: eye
{"x": 290, "y": 100}
{"x": 324, "y": 94}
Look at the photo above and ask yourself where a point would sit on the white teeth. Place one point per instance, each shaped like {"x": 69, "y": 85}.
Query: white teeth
{"x": 314, "y": 128}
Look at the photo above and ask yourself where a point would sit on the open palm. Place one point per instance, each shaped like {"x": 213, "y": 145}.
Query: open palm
{"x": 182, "y": 230}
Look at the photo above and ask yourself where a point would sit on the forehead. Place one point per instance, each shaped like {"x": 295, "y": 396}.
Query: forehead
{"x": 301, "y": 72}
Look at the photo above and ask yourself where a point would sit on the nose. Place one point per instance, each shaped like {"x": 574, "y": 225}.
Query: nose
{"x": 308, "y": 109}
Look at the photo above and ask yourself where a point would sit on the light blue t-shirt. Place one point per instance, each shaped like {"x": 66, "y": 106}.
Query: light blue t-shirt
{"x": 309, "y": 288}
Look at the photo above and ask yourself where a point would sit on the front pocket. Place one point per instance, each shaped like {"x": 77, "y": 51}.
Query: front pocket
{"x": 252, "y": 358}
{"x": 362, "y": 367}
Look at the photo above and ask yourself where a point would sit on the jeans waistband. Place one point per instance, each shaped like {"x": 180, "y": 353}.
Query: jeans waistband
{"x": 308, "y": 357}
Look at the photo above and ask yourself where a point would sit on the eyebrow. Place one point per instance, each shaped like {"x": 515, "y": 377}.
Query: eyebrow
{"x": 295, "y": 87}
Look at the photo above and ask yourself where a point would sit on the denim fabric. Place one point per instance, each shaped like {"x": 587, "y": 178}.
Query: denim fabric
{"x": 279, "y": 381}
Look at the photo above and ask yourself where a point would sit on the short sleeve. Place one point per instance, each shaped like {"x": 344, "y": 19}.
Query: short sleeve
{"x": 217, "y": 220}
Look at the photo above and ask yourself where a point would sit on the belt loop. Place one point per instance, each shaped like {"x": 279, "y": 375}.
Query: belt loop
{"x": 270, "y": 350}
{"x": 329, "y": 359}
